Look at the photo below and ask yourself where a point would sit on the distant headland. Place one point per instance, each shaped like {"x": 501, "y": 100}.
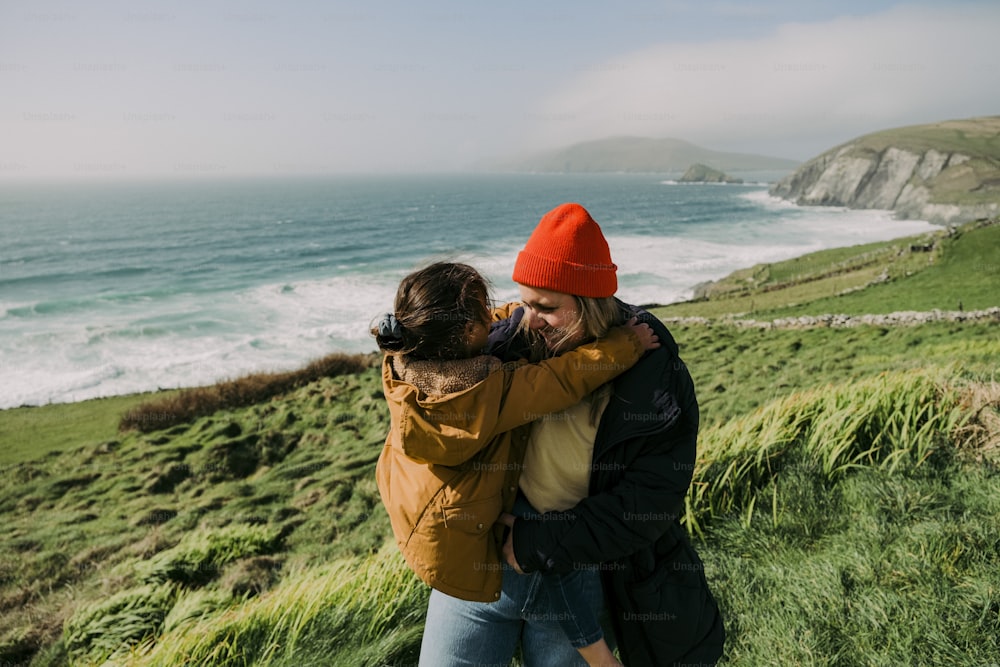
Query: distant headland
{"x": 946, "y": 172}
{"x": 637, "y": 155}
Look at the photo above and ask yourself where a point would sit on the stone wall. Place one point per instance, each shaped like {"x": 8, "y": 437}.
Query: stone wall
{"x": 901, "y": 318}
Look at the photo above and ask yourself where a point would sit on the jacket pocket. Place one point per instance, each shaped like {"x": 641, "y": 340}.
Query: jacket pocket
{"x": 468, "y": 552}
{"x": 476, "y": 517}
{"x": 673, "y": 607}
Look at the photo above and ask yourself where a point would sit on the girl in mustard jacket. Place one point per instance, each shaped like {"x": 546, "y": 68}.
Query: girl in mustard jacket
{"x": 453, "y": 455}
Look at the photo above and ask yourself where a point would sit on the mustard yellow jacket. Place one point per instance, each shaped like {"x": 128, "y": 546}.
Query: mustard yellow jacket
{"x": 452, "y": 458}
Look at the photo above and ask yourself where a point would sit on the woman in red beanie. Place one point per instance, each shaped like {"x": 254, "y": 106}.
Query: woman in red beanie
{"x": 602, "y": 487}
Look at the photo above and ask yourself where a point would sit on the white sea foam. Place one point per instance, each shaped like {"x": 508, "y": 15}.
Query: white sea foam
{"x": 90, "y": 346}
{"x": 766, "y": 200}
{"x": 665, "y": 269}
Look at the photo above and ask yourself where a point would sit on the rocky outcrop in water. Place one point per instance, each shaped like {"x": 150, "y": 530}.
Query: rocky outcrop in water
{"x": 700, "y": 173}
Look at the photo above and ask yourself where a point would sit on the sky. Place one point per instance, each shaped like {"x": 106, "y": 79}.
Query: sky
{"x": 147, "y": 89}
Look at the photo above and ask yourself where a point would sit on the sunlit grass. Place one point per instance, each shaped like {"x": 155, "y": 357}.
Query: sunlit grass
{"x": 366, "y": 611}
{"x": 884, "y": 422}
{"x": 937, "y": 270}
{"x": 877, "y": 568}
{"x": 29, "y": 433}
{"x": 845, "y": 502}
{"x": 188, "y": 404}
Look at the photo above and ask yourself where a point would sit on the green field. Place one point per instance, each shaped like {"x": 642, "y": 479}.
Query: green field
{"x": 975, "y": 137}
{"x": 942, "y": 270}
{"x": 845, "y": 500}
{"x": 30, "y": 432}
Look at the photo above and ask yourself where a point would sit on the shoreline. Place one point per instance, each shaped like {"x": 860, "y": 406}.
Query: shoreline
{"x": 828, "y": 320}
{"x": 835, "y": 319}
{"x": 64, "y": 350}
{"x": 907, "y": 318}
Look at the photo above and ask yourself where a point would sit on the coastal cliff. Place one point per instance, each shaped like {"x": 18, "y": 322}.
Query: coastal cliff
{"x": 946, "y": 172}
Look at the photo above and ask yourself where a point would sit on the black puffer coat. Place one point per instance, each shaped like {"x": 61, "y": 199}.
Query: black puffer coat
{"x": 655, "y": 590}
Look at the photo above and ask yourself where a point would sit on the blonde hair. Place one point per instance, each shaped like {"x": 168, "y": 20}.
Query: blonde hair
{"x": 596, "y": 316}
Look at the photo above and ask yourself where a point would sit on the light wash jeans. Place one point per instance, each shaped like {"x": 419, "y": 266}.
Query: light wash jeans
{"x": 534, "y": 610}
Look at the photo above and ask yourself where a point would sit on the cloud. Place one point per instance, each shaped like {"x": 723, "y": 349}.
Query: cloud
{"x": 112, "y": 93}
{"x": 794, "y": 93}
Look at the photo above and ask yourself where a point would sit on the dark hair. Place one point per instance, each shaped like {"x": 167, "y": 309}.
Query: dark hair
{"x": 433, "y": 306}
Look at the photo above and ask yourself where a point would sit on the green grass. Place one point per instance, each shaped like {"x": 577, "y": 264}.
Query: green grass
{"x": 129, "y": 567}
{"x": 965, "y": 276}
{"x": 890, "y": 421}
{"x": 845, "y": 499}
{"x": 187, "y": 405}
{"x": 978, "y": 137}
{"x": 824, "y": 517}
{"x": 106, "y": 628}
{"x": 126, "y": 511}
{"x": 29, "y": 433}
{"x": 738, "y": 370}
{"x": 32, "y": 432}
{"x": 879, "y": 568}
{"x": 365, "y": 611}
{"x": 962, "y": 271}
{"x": 755, "y": 291}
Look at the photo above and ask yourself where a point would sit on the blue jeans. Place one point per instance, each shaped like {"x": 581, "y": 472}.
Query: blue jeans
{"x": 541, "y": 612}
{"x": 460, "y": 633}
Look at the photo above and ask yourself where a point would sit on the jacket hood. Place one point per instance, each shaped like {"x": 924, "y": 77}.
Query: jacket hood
{"x": 437, "y": 378}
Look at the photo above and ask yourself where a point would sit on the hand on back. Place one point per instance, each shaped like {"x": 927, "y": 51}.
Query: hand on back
{"x": 648, "y": 337}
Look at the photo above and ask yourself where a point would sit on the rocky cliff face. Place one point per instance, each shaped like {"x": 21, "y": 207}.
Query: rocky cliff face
{"x": 917, "y": 184}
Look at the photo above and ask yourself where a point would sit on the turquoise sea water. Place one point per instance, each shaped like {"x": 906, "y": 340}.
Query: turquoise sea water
{"x": 113, "y": 289}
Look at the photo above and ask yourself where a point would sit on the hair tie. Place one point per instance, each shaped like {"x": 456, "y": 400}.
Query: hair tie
{"x": 390, "y": 327}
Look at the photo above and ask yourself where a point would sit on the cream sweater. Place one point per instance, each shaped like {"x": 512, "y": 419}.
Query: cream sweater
{"x": 557, "y": 464}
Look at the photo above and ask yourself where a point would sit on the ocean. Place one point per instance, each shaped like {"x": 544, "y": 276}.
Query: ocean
{"x": 109, "y": 289}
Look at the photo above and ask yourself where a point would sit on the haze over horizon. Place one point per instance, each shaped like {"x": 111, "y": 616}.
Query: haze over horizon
{"x": 116, "y": 90}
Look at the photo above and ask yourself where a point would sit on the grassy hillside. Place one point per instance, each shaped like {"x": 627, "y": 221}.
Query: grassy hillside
{"x": 975, "y": 137}
{"x": 28, "y": 433}
{"x": 105, "y": 538}
{"x": 946, "y": 270}
{"x": 845, "y": 498}
{"x": 739, "y": 370}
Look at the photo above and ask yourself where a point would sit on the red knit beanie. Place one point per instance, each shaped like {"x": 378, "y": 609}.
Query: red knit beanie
{"x": 567, "y": 253}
